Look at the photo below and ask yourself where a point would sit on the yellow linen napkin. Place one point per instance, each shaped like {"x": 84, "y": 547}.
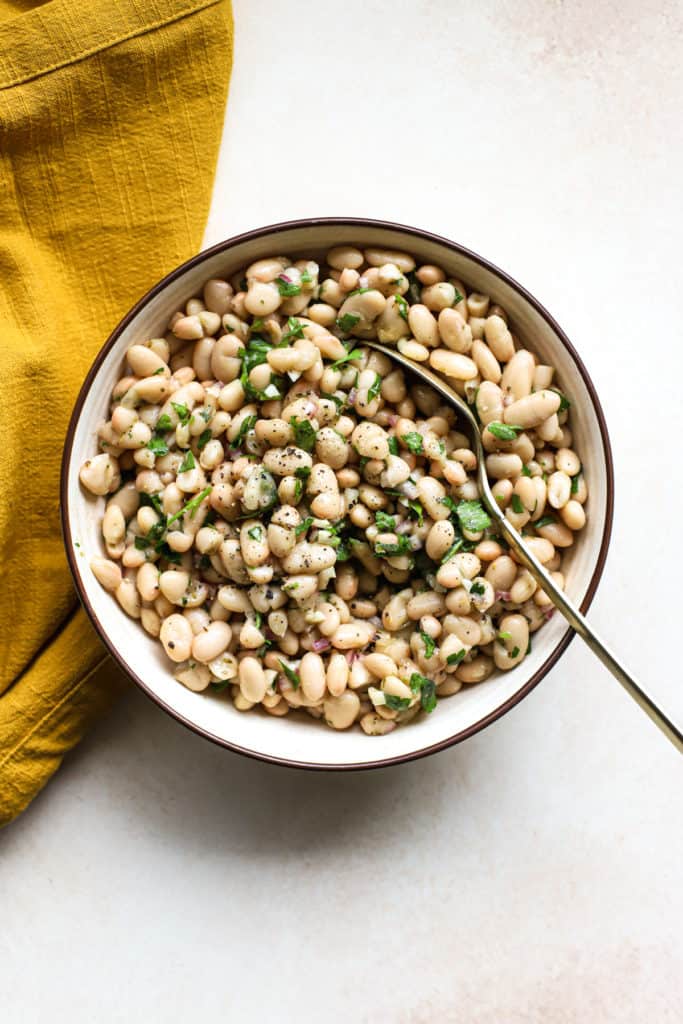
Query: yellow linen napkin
{"x": 111, "y": 114}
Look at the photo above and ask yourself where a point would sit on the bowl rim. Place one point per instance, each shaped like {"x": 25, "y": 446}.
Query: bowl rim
{"x": 360, "y": 223}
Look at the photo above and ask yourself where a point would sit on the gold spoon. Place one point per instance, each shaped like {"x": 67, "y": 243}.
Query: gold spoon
{"x": 559, "y": 599}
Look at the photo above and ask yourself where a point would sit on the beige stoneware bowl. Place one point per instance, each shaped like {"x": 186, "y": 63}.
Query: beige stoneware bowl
{"x": 296, "y": 739}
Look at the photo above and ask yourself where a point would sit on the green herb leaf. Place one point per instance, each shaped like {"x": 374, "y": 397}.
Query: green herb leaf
{"x": 458, "y": 297}
{"x": 191, "y": 507}
{"x": 384, "y": 522}
{"x": 219, "y": 687}
{"x": 182, "y": 412}
{"x": 204, "y": 439}
{"x": 255, "y": 533}
{"x": 574, "y": 489}
{"x": 305, "y": 277}
{"x": 478, "y": 588}
{"x": 544, "y": 521}
{"x": 430, "y": 644}
{"x": 393, "y": 445}
{"x": 526, "y": 471}
{"x": 564, "y": 401}
{"x": 427, "y": 690}
{"x": 504, "y": 636}
{"x": 348, "y": 358}
{"x": 304, "y": 434}
{"x": 157, "y": 445}
{"x": 141, "y": 543}
{"x": 290, "y": 673}
{"x": 472, "y": 516}
{"x": 187, "y": 463}
{"x": 517, "y": 505}
{"x": 514, "y": 652}
{"x": 402, "y": 307}
{"x": 504, "y": 431}
{"x": 456, "y": 657}
{"x": 302, "y": 527}
{"x": 401, "y": 547}
{"x": 151, "y": 501}
{"x": 302, "y": 474}
{"x": 374, "y": 389}
{"x": 453, "y": 550}
{"x": 347, "y": 322}
{"x": 417, "y": 510}
{"x": 246, "y": 425}
{"x": 158, "y": 371}
{"x": 396, "y": 703}
{"x": 286, "y": 287}
{"x": 164, "y": 422}
{"x": 414, "y": 288}
{"x": 295, "y": 329}
{"x": 413, "y": 441}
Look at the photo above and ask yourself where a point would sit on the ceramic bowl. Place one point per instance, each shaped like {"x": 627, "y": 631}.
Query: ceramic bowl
{"x": 298, "y": 740}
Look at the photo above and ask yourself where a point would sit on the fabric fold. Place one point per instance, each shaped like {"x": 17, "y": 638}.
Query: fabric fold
{"x": 111, "y": 116}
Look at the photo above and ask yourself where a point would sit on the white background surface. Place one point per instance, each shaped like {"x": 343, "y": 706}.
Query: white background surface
{"x": 532, "y": 874}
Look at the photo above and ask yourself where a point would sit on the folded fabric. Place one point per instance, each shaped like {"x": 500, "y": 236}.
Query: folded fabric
{"x": 111, "y": 114}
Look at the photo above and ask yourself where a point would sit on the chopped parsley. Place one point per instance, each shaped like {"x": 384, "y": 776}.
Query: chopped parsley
{"x": 417, "y": 510}
{"x": 289, "y": 672}
{"x": 517, "y": 505}
{"x": 472, "y": 516}
{"x": 453, "y": 550}
{"x": 393, "y": 445}
{"x": 305, "y": 277}
{"x": 347, "y": 322}
{"x": 575, "y": 482}
{"x": 504, "y": 431}
{"x": 396, "y": 703}
{"x": 302, "y": 527}
{"x": 157, "y": 445}
{"x": 458, "y": 297}
{"x": 204, "y": 439}
{"x": 526, "y": 471}
{"x": 348, "y": 358}
{"x": 478, "y": 589}
{"x": 304, "y": 433}
{"x": 182, "y": 412}
{"x": 401, "y": 306}
{"x": 401, "y": 547}
{"x": 302, "y": 474}
{"x": 427, "y": 690}
{"x": 514, "y": 652}
{"x": 564, "y": 401}
{"x": 255, "y": 533}
{"x": 374, "y": 389}
{"x": 164, "y": 422}
{"x": 286, "y": 287}
{"x": 187, "y": 463}
{"x": 295, "y": 329}
{"x": 504, "y": 636}
{"x": 544, "y": 521}
{"x": 456, "y": 658}
{"x": 428, "y": 641}
{"x": 160, "y": 369}
{"x": 384, "y": 522}
{"x": 413, "y": 441}
{"x": 247, "y": 424}
{"x": 151, "y": 500}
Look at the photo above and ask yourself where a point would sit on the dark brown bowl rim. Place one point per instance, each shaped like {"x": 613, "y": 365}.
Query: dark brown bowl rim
{"x": 361, "y": 223}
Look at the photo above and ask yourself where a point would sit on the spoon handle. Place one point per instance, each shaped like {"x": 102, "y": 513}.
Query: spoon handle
{"x": 580, "y": 626}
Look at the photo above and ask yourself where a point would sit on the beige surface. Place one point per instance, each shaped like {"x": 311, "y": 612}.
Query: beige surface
{"x": 532, "y": 874}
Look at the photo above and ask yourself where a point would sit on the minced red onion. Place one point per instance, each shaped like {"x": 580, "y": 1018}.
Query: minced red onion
{"x": 502, "y": 595}
{"x": 283, "y": 277}
{"x": 321, "y": 645}
{"x": 352, "y": 395}
{"x": 549, "y": 614}
{"x": 409, "y": 489}
{"x": 403, "y": 527}
{"x": 392, "y": 420}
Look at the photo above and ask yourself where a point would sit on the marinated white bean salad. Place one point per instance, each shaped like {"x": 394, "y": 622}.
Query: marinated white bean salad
{"x": 299, "y": 522}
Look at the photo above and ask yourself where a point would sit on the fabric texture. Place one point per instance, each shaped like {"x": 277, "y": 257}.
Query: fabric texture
{"x": 111, "y": 114}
